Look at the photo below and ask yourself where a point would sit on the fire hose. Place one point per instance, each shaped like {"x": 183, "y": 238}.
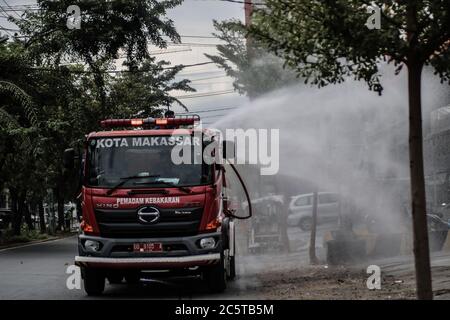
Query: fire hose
{"x": 250, "y": 209}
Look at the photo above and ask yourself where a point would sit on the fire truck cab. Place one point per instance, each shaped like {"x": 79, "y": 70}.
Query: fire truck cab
{"x": 144, "y": 211}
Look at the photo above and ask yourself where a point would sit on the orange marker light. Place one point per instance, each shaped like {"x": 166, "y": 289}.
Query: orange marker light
{"x": 161, "y": 122}
{"x": 137, "y": 122}
{"x": 214, "y": 224}
{"x": 86, "y": 227}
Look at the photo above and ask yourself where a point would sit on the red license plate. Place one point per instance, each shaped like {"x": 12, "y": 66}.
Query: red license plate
{"x": 147, "y": 247}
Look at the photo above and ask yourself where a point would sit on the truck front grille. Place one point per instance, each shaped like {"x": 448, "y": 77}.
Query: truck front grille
{"x": 125, "y": 223}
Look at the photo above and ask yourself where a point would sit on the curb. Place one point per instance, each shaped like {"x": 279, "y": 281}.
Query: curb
{"x": 447, "y": 244}
{"x": 364, "y": 245}
{"x": 24, "y": 244}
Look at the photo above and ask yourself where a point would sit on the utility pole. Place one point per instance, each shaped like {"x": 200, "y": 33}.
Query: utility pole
{"x": 248, "y": 7}
{"x": 312, "y": 242}
{"x": 248, "y": 12}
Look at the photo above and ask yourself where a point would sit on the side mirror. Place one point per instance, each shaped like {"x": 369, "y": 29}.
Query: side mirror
{"x": 69, "y": 159}
{"x": 228, "y": 150}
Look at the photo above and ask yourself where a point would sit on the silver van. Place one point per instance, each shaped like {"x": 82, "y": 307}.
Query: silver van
{"x": 300, "y": 209}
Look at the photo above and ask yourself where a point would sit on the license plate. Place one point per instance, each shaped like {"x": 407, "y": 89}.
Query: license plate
{"x": 147, "y": 247}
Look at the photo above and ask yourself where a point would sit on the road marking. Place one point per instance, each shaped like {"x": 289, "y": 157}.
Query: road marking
{"x": 36, "y": 244}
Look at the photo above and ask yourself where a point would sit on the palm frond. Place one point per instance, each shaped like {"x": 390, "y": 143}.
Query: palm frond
{"x": 25, "y": 101}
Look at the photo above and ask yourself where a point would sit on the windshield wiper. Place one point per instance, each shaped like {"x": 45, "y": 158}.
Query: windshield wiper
{"x": 169, "y": 184}
{"x": 126, "y": 179}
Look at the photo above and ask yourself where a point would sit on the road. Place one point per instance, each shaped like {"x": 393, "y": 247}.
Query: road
{"x": 39, "y": 272}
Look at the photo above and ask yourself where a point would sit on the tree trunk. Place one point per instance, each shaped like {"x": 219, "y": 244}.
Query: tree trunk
{"x": 19, "y": 214}
{"x": 420, "y": 230}
{"x": 312, "y": 242}
{"x": 60, "y": 201}
{"x": 15, "y": 210}
{"x": 42, "y": 226}
{"x": 27, "y": 215}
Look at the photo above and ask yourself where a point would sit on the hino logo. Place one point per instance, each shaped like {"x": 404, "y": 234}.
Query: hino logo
{"x": 148, "y": 215}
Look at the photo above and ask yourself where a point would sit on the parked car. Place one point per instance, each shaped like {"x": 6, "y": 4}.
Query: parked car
{"x": 301, "y": 208}
{"x": 5, "y": 218}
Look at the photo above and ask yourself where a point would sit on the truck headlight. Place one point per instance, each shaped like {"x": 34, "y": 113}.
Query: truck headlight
{"x": 207, "y": 243}
{"x": 92, "y": 246}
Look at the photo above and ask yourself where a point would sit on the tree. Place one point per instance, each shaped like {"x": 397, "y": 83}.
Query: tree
{"x": 255, "y": 71}
{"x": 109, "y": 30}
{"x": 146, "y": 90}
{"x": 19, "y": 123}
{"x": 66, "y": 74}
{"x": 327, "y": 41}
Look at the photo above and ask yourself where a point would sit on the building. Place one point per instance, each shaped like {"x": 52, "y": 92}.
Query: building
{"x": 437, "y": 157}
{"x": 5, "y": 201}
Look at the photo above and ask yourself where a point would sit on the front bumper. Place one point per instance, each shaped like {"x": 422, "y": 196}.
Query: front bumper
{"x": 182, "y": 252}
{"x": 151, "y": 262}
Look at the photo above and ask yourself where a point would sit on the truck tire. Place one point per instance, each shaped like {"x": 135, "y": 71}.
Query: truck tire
{"x": 305, "y": 224}
{"x": 232, "y": 272}
{"x": 94, "y": 282}
{"x": 133, "y": 277}
{"x": 216, "y": 277}
{"x": 115, "y": 278}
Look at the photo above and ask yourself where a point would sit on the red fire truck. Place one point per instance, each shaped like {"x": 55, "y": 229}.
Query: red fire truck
{"x": 142, "y": 212}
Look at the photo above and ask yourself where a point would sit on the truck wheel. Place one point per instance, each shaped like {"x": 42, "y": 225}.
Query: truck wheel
{"x": 115, "y": 278}
{"x": 216, "y": 277}
{"x": 94, "y": 282}
{"x": 305, "y": 224}
{"x": 133, "y": 277}
{"x": 232, "y": 272}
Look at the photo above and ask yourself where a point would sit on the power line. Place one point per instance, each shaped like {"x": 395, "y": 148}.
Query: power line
{"x": 206, "y": 94}
{"x": 211, "y": 110}
{"x": 209, "y": 78}
{"x": 214, "y": 116}
{"x": 199, "y": 37}
{"x": 244, "y": 2}
{"x": 3, "y": 28}
{"x": 14, "y": 11}
{"x": 9, "y": 16}
{"x": 194, "y": 44}
{"x": 188, "y": 74}
{"x": 127, "y": 71}
{"x": 212, "y": 83}
{"x": 153, "y": 53}
{"x": 7, "y": 29}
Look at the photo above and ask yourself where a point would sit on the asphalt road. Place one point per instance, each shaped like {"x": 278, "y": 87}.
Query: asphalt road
{"x": 38, "y": 271}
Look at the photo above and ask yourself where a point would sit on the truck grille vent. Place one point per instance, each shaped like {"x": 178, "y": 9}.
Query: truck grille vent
{"x": 125, "y": 223}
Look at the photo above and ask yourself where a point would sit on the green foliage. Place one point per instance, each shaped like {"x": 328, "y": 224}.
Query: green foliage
{"x": 26, "y": 235}
{"x": 146, "y": 90}
{"x": 109, "y": 30}
{"x": 255, "y": 71}
{"x": 54, "y": 88}
{"x": 326, "y": 41}
{"x": 106, "y": 28}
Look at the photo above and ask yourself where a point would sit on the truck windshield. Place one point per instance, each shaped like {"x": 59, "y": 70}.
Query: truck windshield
{"x": 148, "y": 159}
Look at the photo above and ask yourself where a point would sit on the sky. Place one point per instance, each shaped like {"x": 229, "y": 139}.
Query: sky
{"x": 192, "y": 18}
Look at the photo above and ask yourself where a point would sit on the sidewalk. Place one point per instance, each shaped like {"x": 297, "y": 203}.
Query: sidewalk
{"x": 23, "y": 244}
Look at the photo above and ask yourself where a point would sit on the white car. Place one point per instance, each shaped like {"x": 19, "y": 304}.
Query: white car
{"x": 301, "y": 207}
